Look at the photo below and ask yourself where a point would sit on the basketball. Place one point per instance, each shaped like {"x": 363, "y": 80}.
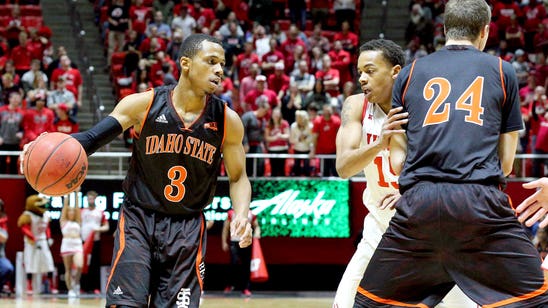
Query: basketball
{"x": 55, "y": 164}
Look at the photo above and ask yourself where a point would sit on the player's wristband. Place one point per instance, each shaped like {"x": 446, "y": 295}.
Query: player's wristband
{"x": 100, "y": 134}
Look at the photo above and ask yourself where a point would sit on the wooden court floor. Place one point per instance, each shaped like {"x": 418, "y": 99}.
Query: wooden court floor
{"x": 212, "y": 300}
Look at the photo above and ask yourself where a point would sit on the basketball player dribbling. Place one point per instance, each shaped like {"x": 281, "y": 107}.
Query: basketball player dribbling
{"x": 362, "y": 144}
{"x": 182, "y": 130}
{"x": 453, "y": 224}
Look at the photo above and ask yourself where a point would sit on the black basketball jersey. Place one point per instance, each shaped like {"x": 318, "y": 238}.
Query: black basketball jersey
{"x": 174, "y": 168}
{"x": 459, "y": 101}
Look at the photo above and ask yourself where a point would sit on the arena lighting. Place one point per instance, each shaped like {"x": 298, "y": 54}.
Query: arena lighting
{"x": 308, "y": 208}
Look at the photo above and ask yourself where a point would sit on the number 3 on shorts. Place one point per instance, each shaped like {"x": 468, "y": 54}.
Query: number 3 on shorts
{"x": 175, "y": 191}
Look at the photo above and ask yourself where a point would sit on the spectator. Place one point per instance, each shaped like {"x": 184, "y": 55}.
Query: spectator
{"x": 302, "y": 79}
{"x": 260, "y": 93}
{"x": 291, "y": 63}
{"x": 140, "y": 16}
{"x": 318, "y": 39}
{"x": 293, "y": 39}
{"x": 21, "y": 54}
{"x": 224, "y": 96}
{"x": 244, "y": 61}
{"x": 521, "y": 65}
{"x": 540, "y": 40}
{"x": 514, "y": 34}
{"x": 205, "y": 17}
{"x": 73, "y": 80}
{"x": 319, "y": 9}
{"x": 118, "y": 24}
{"x": 61, "y": 95}
{"x": 340, "y": 60}
{"x": 414, "y": 51}
{"x": 240, "y": 258}
{"x": 316, "y": 60}
{"x": 297, "y": 13}
{"x": 261, "y": 41}
{"x": 538, "y": 105}
{"x": 184, "y": 22}
{"x": 6, "y": 267}
{"x": 330, "y": 77}
{"x": 233, "y": 45}
{"x": 9, "y": 86}
{"x": 71, "y": 244}
{"x": 292, "y": 101}
{"x": 37, "y": 120}
{"x": 156, "y": 72}
{"x": 65, "y": 123}
{"x": 502, "y": 14}
{"x": 345, "y": 10}
{"x": 94, "y": 223}
{"x": 318, "y": 96}
{"x": 225, "y": 27}
{"x": 166, "y": 7}
{"x": 534, "y": 12}
{"x": 11, "y": 132}
{"x": 248, "y": 83}
{"x": 348, "y": 39}
{"x": 541, "y": 242}
{"x": 14, "y": 26}
{"x": 34, "y": 78}
{"x": 174, "y": 44}
{"x": 152, "y": 44}
{"x": 279, "y": 81}
{"x": 269, "y": 59}
{"x": 254, "y": 126}
{"x": 56, "y": 63}
{"x": 163, "y": 30}
{"x": 348, "y": 89}
{"x": 541, "y": 146}
{"x": 324, "y": 133}
{"x": 301, "y": 140}
{"x": 262, "y": 11}
{"x": 276, "y": 136}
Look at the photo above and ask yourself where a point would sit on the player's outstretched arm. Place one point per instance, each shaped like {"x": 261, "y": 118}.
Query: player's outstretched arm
{"x": 240, "y": 188}
{"x": 535, "y": 207}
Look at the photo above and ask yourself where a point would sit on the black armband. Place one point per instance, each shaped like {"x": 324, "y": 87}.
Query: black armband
{"x": 100, "y": 134}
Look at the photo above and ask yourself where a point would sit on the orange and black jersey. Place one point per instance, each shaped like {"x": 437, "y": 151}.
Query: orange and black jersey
{"x": 174, "y": 168}
{"x": 459, "y": 101}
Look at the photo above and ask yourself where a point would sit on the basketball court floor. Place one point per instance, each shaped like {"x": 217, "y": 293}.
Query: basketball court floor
{"x": 210, "y": 300}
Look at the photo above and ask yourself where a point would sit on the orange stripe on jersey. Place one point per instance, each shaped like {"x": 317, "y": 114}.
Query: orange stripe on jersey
{"x": 408, "y": 82}
{"x": 519, "y": 298}
{"x": 138, "y": 133}
{"x": 388, "y": 301}
{"x": 200, "y": 256}
{"x": 121, "y": 245}
{"x": 502, "y": 81}
{"x": 224, "y": 127}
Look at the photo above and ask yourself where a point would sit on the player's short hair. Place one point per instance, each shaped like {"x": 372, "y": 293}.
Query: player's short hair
{"x": 391, "y": 51}
{"x": 464, "y": 19}
{"x": 192, "y": 44}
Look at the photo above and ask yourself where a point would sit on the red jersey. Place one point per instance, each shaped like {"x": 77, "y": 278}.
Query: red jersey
{"x": 327, "y": 133}
{"x": 36, "y": 122}
{"x": 253, "y": 95}
{"x": 243, "y": 63}
{"x": 273, "y": 56}
{"x": 288, "y": 46}
{"x": 67, "y": 126}
{"x": 278, "y": 144}
{"x": 502, "y": 13}
{"x": 139, "y": 16}
{"x": 21, "y": 56}
{"x": 330, "y": 75}
{"x": 341, "y": 61}
{"x": 278, "y": 83}
{"x": 349, "y": 40}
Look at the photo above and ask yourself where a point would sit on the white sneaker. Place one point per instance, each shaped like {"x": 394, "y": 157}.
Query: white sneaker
{"x": 76, "y": 289}
{"x": 71, "y": 294}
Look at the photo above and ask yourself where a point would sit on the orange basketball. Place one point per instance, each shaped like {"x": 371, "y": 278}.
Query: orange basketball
{"x": 55, "y": 164}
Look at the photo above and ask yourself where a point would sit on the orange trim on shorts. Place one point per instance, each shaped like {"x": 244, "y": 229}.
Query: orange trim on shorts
{"x": 121, "y": 247}
{"x": 502, "y": 81}
{"x": 387, "y": 301}
{"x": 408, "y": 82}
{"x": 200, "y": 256}
{"x": 138, "y": 133}
{"x": 519, "y": 298}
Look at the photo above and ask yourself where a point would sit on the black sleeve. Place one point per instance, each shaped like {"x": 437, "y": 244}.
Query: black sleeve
{"x": 102, "y": 133}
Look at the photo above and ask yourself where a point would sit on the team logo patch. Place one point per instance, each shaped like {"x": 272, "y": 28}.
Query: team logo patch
{"x": 118, "y": 291}
{"x": 161, "y": 119}
{"x": 211, "y": 125}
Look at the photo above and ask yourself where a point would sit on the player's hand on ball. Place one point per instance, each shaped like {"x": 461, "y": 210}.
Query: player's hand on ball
{"x": 24, "y": 152}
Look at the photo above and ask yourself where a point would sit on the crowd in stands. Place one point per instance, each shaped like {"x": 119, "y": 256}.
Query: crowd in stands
{"x": 41, "y": 90}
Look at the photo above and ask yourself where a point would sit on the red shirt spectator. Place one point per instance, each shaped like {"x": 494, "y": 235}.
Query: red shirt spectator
{"x": 330, "y": 76}
{"x": 326, "y": 127}
{"x": 502, "y": 13}
{"x": 348, "y": 39}
{"x": 293, "y": 39}
{"x": 279, "y": 81}
{"x": 244, "y": 60}
{"x": 64, "y": 123}
{"x": 270, "y": 58}
{"x": 140, "y": 16}
{"x": 205, "y": 17}
{"x": 21, "y": 54}
{"x": 72, "y": 77}
{"x": 37, "y": 120}
{"x": 534, "y": 13}
{"x": 340, "y": 60}
{"x": 156, "y": 74}
{"x": 253, "y": 95}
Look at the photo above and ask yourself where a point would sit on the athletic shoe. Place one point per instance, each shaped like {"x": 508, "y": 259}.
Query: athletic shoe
{"x": 96, "y": 292}
{"x": 29, "y": 287}
{"x": 71, "y": 294}
{"x": 246, "y": 293}
{"x": 228, "y": 289}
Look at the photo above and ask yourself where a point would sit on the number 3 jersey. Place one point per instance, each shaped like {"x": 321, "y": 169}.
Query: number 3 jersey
{"x": 460, "y": 100}
{"x": 174, "y": 167}
{"x": 380, "y": 179}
